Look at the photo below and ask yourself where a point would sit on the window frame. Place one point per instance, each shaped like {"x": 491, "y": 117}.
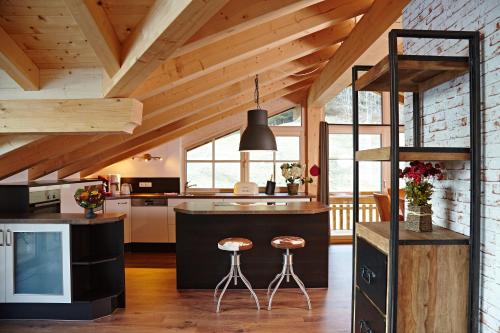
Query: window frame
{"x": 382, "y": 129}
{"x": 244, "y": 156}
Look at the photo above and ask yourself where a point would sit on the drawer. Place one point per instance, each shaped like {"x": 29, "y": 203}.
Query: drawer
{"x": 367, "y": 319}
{"x": 371, "y": 273}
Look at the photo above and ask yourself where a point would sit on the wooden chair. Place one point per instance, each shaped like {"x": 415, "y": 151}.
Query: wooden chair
{"x": 383, "y": 203}
{"x": 401, "y": 201}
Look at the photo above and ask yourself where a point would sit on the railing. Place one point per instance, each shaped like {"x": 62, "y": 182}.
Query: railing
{"x": 341, "y": 217}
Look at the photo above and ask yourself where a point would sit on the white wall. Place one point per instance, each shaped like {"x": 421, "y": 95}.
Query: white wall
{"x": 171, "y": 152}
{"x": 446, "y": 123}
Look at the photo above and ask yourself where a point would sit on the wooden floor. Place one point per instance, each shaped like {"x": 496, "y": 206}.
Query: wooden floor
{"x": 154, "y": 305}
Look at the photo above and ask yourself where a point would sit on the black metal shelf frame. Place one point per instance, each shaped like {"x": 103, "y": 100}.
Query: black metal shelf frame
{"x": 473, "y": 39}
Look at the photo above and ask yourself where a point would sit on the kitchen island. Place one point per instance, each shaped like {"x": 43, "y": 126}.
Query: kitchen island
{"x": 201, "y": 265}
{"x": 61, "y": 266}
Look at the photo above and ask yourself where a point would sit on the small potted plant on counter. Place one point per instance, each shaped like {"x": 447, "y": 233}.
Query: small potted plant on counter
{"x": 418, "y": 190}
{"x": 292, "y": 172}
{"x": 90, "y": 199}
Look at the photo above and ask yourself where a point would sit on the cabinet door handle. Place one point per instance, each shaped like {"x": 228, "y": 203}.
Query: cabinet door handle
{"x": 1, "y": 237}
{"x": 8, "y": 241}
{"x": 364, "y": 327}
{"x": 367, "y": 274}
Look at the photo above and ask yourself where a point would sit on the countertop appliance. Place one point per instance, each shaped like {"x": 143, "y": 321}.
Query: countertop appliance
{"x": 249, "y": 188}
{"x": 114, "y": 183}
{"x": 126, "y": 188}
{"x": 45, "y": 201}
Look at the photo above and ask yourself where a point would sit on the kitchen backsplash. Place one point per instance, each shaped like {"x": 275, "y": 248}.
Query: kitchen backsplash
{"x": 153, "y": 184}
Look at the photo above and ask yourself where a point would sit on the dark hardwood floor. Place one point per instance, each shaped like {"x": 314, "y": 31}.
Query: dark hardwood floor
{"x": 154, "y": 305}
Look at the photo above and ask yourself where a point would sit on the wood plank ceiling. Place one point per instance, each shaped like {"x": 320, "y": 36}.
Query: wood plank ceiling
{"x": 190, "y": 63}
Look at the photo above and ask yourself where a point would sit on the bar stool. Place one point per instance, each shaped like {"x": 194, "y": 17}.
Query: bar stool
{"x": 287, "y": 243}
{"x": 234, "y": 245}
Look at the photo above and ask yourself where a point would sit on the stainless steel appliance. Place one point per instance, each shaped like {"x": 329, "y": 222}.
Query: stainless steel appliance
{"x": 45, "y": 201}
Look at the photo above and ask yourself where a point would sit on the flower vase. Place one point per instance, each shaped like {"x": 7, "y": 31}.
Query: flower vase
{"x": 419, "y": 218}
{"x": 89, "y": 213}
{"x": 293, "y": 189}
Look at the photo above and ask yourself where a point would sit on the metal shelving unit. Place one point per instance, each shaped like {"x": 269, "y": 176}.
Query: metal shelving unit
{"x": 413, "y": 73}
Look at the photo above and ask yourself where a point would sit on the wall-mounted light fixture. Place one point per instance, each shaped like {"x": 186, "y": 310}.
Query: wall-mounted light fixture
{"x": 147, "y": 158}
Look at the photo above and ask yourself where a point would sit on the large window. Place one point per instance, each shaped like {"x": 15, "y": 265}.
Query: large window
{"x": 215, "y": 164}
{"x": 339, "y": 109}
{"x": 374, "y": 119}
{"x": 341, "y": 163}
{"x": 218, "y": 164}
{"x": 265, "y": 165}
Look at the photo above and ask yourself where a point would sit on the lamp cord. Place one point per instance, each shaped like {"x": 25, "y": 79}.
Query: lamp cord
{"x": 256, "y": 95}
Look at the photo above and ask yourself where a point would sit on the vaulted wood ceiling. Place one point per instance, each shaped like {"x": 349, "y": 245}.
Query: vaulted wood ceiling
{"x": 191, "y": 63}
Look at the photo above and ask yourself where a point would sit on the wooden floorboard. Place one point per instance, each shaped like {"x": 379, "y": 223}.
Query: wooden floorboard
{"x": 154, "y": 305}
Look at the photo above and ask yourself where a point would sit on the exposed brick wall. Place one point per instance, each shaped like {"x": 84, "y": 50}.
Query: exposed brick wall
{"x": 446, "y": 122}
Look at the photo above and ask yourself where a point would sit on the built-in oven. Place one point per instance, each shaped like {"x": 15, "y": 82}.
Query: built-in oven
{"x": 45, "y": 201}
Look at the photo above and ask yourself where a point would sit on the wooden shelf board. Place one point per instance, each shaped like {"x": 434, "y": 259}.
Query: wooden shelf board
{"x": 378, "y": 233}
{"x": 416, "y": 73}
{"x": 413, "y": 154}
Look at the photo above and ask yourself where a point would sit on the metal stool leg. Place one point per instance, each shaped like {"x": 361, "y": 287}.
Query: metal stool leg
{"x": 301, "y": 286}
{"x": 233, "y": 275}
{"x": 224, "y": 289}
{"x": 287, "y": 271}
{"x": 272, "y": 282}
{"x": 249, "y": 286}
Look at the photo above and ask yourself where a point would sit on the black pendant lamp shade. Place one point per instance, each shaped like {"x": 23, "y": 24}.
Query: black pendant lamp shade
{"x": 257, "y": 135}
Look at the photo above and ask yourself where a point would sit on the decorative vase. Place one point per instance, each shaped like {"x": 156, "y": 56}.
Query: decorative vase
{"x": 419, "y": 218}
{"x": 293, "y": 189}
{"x": 89, "y": 213}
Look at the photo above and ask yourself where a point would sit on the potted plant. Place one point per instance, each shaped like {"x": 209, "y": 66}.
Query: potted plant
{"x": 292, "y": 172}
{"x": 418, "y": 190}
{"x": 90, "y": 198}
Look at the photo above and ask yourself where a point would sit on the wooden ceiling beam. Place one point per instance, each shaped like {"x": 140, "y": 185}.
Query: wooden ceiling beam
{"x": 37, "y": 151}
{"x": 175, "y": 131}
{"x": 249, "y": 67}
{"x": 15, "y": 62}
{"x": 70, "y": 115}
{"x": 240, "y": 15}
{"x": 97, "y": 29}
{"x": 154, "y": 122}
{"x": 166, "y": 27}
{"x": 111, "y": 147}
{"x": 177, "y": 108}
{"x": 251, "y": 42}
{"x": 372, "y": 25}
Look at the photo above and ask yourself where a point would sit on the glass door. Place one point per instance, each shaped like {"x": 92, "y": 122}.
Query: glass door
{"x": 38, "y": 266}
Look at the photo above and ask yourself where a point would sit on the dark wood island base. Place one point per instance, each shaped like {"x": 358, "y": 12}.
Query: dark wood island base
{"x": 201, "y": 265}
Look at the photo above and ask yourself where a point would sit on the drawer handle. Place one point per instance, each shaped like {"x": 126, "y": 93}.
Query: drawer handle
{"x": 364, "y": 327}
{"x": 367, "y": 274}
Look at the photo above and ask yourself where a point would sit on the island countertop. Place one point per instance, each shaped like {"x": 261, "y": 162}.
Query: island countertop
{"x": 56, "y": 218}
{"x": 226, "y": 208}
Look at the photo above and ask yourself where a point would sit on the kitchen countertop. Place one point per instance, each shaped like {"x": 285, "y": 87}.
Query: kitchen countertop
{"x": 56, "y": 218}
{"x": 207, "y": 208}
{"x": 210, "y": 195}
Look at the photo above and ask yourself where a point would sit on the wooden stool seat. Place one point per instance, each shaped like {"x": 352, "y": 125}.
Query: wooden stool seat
{"x": 288, "y": 242}
{"x": 235, "y": 244}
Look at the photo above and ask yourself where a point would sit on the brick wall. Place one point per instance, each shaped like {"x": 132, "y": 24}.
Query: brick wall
{"x": 446, "y": 122}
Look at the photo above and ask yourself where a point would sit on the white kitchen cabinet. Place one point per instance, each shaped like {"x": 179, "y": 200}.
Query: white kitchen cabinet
{"x": 35, "y": 263}
{"x": 149, "y": 224}
{"x": 121, "y": 206}
{"x": 171, "y": 224}
{"x": 68, "y": 203}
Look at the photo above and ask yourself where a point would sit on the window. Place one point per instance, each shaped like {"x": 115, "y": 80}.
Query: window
{"x": 290, "y": 117}
{"x": 215, "y": 164}
{"x": 264, "y": 165}
{"x": 341, "y": 163}
{"x": 339, "y": 109}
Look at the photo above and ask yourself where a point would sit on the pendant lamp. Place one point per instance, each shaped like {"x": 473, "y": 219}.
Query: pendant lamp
{"x": 257, "y": 135}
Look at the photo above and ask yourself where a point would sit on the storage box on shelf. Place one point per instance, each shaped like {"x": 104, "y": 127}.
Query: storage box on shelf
{"x": 406, "y": 281}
